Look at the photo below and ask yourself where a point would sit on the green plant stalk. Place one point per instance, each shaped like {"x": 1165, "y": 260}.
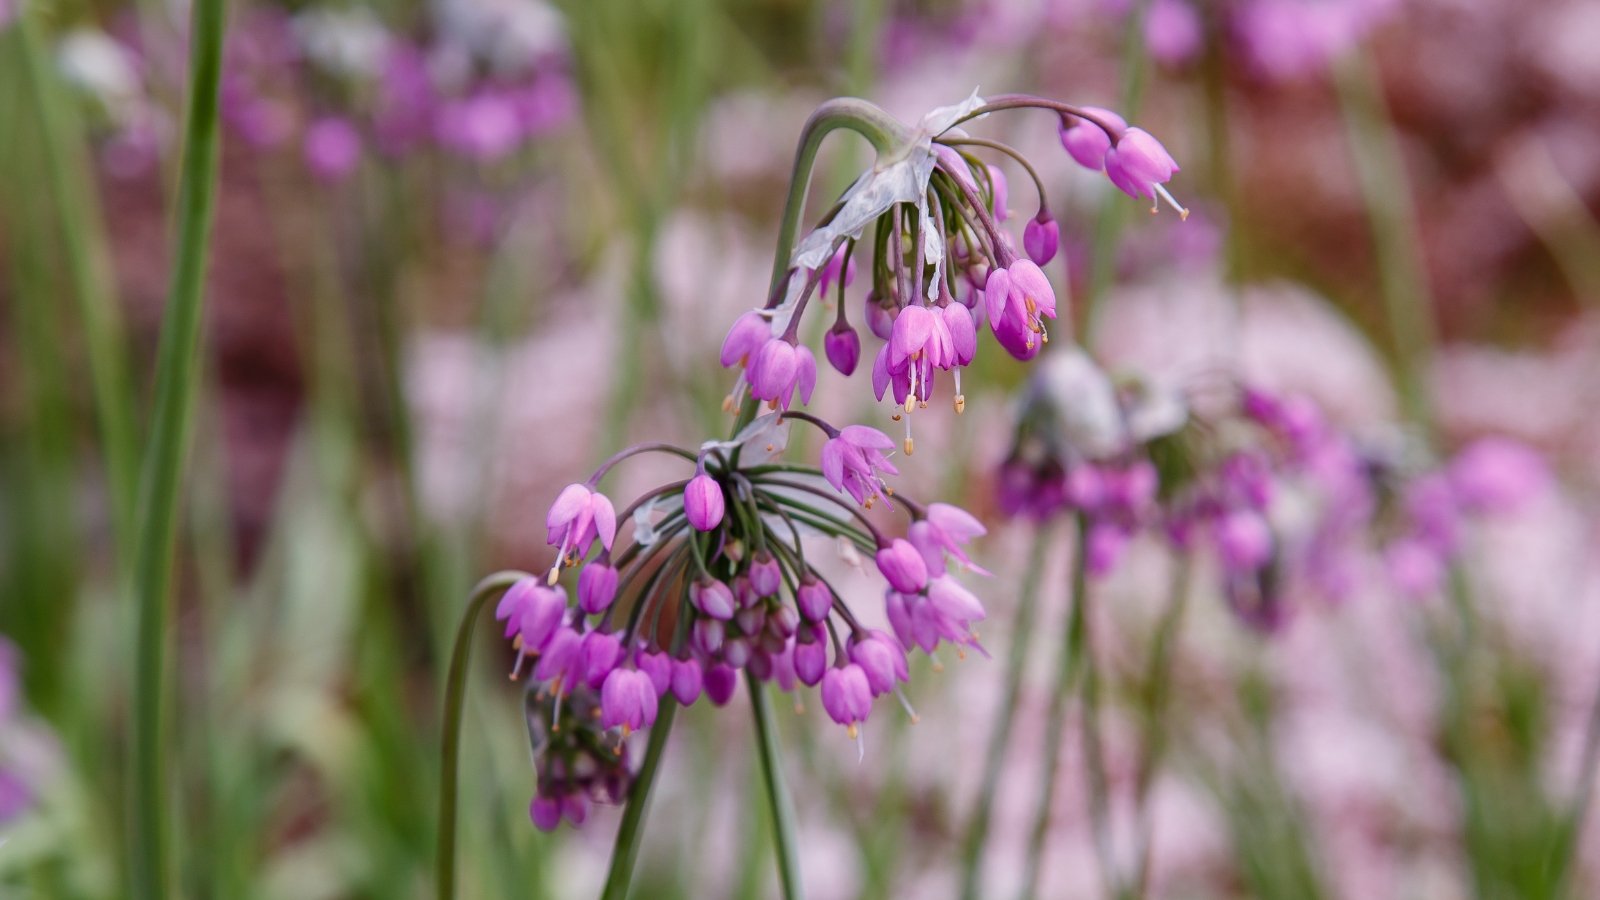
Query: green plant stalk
{"x": 1067, "y": 668}
{"x": 977, "y": 834}
{"x": 450, "y": 741}
{"x": 1158, "y": 689}
{"x": 1095, "y": 763}
{"x": 82, "y": 238}
{"x": 625, "y": 852}
{"x": 783, "y": 829}
{"x": 177, "y": 371}
{"x": 1380, "y": 169}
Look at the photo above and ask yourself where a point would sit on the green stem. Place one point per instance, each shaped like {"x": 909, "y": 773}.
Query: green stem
{"x": 1067, "y": 668}
{"x": 102, "y": 324}
{"x": 626, "y": 850}
{"x": 455, "y": 697}
{"x": 177, "y": 371}
{"x": 1380, "y": 168}
{"x": 1158, "y": 685}
{"x": 783, "y": 830}
{"x": 886, "y": 134}
{"x": 1000, "y": 735}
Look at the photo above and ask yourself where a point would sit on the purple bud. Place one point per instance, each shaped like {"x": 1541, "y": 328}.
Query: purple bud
{"x": 810, "y": 661}
{"x": 719, "y": 681}
{"x": 843, "y": 348}
{"x": 846, "y": 695}
{"x": 880, "y": 319}
{"x": 782, "y": 621}
{"x": 707, "y": 636}
{"x": 598, "y": 657}
{"x": 686, "y": 681}
{"x": 657, "y": 666}
{"x": 702, "y": 502}
{"x": 712, "y": 598}
{"x": 882, "y": 660}
{"x": 736, "y": 652}
{"x": 765, "y": 577}
{"x": 576, "y": 808}
{"x": 333, "y": 149}
{"x": 760, "y": 665}
{"x": 751, "y": 620}
{"x": 814, "y": 599}
{"x": 545, "y": 813}
{"x": 1243, "y": 541}
{"x": 1041, "y": 237}
{"x": 903, "y": 567}
{"x": 597, "y": 587}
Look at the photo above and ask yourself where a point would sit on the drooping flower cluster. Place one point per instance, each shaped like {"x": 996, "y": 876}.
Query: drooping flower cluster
{"x": 942, "y": 264}
{"x": 705, "y": 578}
{"x": 480, "y": 89}
{"x": 1285, "y": 502}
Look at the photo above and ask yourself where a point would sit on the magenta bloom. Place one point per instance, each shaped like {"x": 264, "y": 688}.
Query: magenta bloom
{"x": 1497, "y": 475}
{"x": 1041, "y": 237}
{"x": 779, "y": 369}
{"x": 745, "y": 337}
{"x": 953, "y": 601}
{"x": 541, "y": 612}
{"x": 686, "y": 681}
{"x": 810, "y": 657}
{"x": 598, "y": 657}
{"x": 720, "y": 681}
{"x": 847, "y": 696}
{"x": 712, "y": 598}
{"x": 545, "y": 813}
{"x": 332, "y": 149}
{"x": 657, "y": 665}
{"x": 1172, "y": 31}
{"x": 946, "y": 529}
{"x": 628, "y": 699}
{"x": 902, "y": 566}
{"x": 852, "y": 459}
{"x": 579, "y": 516}
{"x": 1019, "y": 293}
{"x": 597, "y": 587}
{"x": 882, "y": 660}
{"x": 1139, "y": 165}
{"x": 512, "y": 602}
{"x": 702, "y": 502}
{"x": 707, "y": 636}
{"x": 842, "y": 346}
{"x": 1088, "y": 142}
{"x": 814, "y": 599}
{"x": 765, "y": 576}
{"x": 1244, "y": 541}
{"x": 559, "y": 657}
{"x": 963, "y": 330}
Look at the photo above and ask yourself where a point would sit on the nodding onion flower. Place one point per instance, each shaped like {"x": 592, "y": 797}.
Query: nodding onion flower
{"x": 700, "y": 578}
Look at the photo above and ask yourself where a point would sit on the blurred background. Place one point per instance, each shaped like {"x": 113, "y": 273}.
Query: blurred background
{"x": 466, "y": 248}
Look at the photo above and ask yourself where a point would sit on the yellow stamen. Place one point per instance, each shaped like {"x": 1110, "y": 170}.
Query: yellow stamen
{"x": 909, "y": 447}
{"x": 852, "y": 731}
{"x": 960, "y": 404}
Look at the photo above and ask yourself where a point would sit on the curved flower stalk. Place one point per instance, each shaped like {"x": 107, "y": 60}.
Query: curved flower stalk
{"x": 700, "y": 579}
{"x": 942, "y": 263}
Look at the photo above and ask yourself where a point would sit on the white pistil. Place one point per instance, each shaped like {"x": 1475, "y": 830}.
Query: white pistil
{"x": 901, "y": 695}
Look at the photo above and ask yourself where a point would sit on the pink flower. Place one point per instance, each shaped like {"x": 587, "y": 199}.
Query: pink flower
{"x": 847, "y": 696}
{"x": 1139, "y": 166}
{"x": 746, "y": 336}
{"x": 1021, "y": 294}
{"x": 902, "y": 566}
{"x": 842, "y": 346}
{"x": 1088, "y": 142}
{"x": 579, "y": 516}
{"x": 881, "y": 659}
{"x": 852, "y": 460}
{"x": 703, "y": 503}
{"x": 597, "y": 587}
{"x": 628, "y": 700}
{"x": 712, "y": 598}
